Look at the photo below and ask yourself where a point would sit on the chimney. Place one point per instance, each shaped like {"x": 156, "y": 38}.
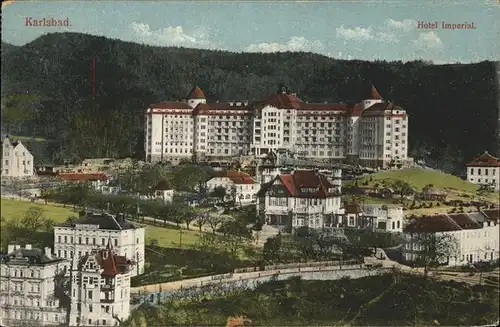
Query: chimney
{"x": 11, "y": 248}
{"x": 28, "y": 247}
{"x": 48, "y": 252}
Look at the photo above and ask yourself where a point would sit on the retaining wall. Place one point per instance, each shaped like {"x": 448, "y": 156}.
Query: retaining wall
{"x": 225, "y": 283}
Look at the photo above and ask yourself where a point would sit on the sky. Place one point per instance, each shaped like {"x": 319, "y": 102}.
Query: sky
{"x": 366, "y": 30}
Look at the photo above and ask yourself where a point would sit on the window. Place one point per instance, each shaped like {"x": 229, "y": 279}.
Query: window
{"x": 59, "y": 239}
{"x": 91, "y": 308}
{"x": 116, "y": 242}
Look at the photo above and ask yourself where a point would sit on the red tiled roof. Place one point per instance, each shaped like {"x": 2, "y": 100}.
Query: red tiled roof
{"x": 112, "y": 264}
{"x": 82, "y": 177}
{"x": 305, "y": 179}
{"x": 484, "y": 160}
{"x": 237, "y": 177}
{"x": 492, "y": 214}
{"x": 196, "y": 93}
{"x": 432, "y": 224}
{"x": 284, "y": 101}
{"x": 373, "y": 94}
{"x": 464, "y": 221}
{"x": 170, "y": 105}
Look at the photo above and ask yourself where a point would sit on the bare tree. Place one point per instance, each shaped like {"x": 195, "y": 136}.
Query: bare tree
{"x": 434, "y": 248}
{"x": 214, "y": 221}
{"x": 200, "y": 220}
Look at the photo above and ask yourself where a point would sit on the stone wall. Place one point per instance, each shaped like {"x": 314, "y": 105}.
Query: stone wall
{"x": 223, "y": 284}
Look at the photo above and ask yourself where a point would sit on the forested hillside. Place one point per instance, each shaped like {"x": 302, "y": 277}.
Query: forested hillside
{"x": 453, "y": 108}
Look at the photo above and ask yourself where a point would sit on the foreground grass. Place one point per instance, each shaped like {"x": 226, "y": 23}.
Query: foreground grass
{"x": 386, "y": 300}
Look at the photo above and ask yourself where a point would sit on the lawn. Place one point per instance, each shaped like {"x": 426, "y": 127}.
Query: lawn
{"x": 170, "y": 237}
{"x": 420, "y": 177}
{"x": 167, "y": 237}
{"x": 15, "y": 209}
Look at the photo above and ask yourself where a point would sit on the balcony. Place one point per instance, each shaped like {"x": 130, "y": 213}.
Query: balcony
{"x": 107, "y": 300}
{"x": 276, "y": 211}
{"x": 107, "y": 287}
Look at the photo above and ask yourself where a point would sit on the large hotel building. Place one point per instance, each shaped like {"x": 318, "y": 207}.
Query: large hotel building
{"x": 372, "y": 133}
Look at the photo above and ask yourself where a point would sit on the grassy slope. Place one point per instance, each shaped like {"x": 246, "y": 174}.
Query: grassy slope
{"x": 419, "y": 178}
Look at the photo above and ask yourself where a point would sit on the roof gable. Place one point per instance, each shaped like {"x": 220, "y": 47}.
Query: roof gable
{"x": 302, "y": 184}
{"x": 484, "y": 160}
{"x": 237, "y": 177}
{"x": 432, "y": 224}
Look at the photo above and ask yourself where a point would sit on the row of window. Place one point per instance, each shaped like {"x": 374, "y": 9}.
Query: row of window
{"x": 486, "y": 171}
{"x": 69, "y": 239}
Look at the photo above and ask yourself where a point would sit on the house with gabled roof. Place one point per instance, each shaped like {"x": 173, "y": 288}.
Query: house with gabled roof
{"x": 484, "y": 170}
{"x": 17, "y": 161}
{"x": 300, "y": 198}
{"x": 476, "y": 235}
{"x": 239, "y": 186}
{"x": 100, "y": 288}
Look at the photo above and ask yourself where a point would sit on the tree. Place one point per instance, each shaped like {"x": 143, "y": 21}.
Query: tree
{"x": 233, "y": 227}
{"x": 272, "y": 248}
{"x": 208, "y": 242}
{"x": 402, "y": 188}
{"x": 33, "y": 219}
{"x": 188, "y": 216}
{"x": 214, "y": 221}
{"x": 234, "y": 244}
{"x": 45, "y": 194}
{"x": 201, "y": 219}
{"x": 220, "y": 193}
{"x": 434, "y": 248}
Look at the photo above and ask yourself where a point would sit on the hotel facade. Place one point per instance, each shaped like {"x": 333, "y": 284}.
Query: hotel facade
{"x": 372, "y": 133}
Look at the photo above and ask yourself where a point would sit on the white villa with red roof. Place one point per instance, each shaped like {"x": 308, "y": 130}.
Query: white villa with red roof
{"x": 484, "y": 170}
{"x": 236, "y": 183}
{"x": 100, "y": 289}
{"x": 301, "y": 198}
{"x": 476, "y": 235}
{"x": 372, "y": 133}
